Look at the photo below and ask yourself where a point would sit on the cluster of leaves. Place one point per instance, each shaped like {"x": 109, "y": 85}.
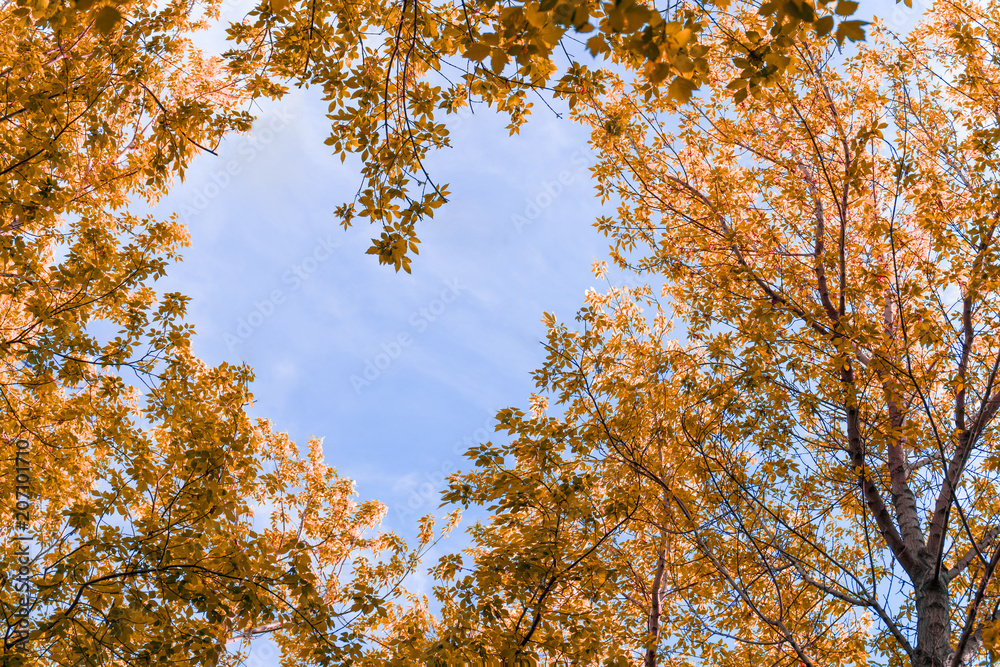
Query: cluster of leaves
{"x": 392, "y": 72}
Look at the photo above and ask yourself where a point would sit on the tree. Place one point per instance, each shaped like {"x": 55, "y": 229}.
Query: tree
{"x": 808, "y": 476}
{"x": 161, "y": 522}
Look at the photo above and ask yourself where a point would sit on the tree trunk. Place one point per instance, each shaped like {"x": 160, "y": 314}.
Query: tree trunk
{"x": 933, "y": 624}
{"x": 653, "y": 622}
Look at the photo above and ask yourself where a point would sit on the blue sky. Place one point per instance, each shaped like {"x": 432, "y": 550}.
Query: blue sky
{"x": 275, "y": 283}
{"x": 400, "y": 374}
{"x": 391, "y": 369}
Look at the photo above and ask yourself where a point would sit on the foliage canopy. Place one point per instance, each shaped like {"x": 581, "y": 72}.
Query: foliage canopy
{"x": 806, "y": 477}
{"x": 804, "y": 471}
{"x": 164, "y": 522}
